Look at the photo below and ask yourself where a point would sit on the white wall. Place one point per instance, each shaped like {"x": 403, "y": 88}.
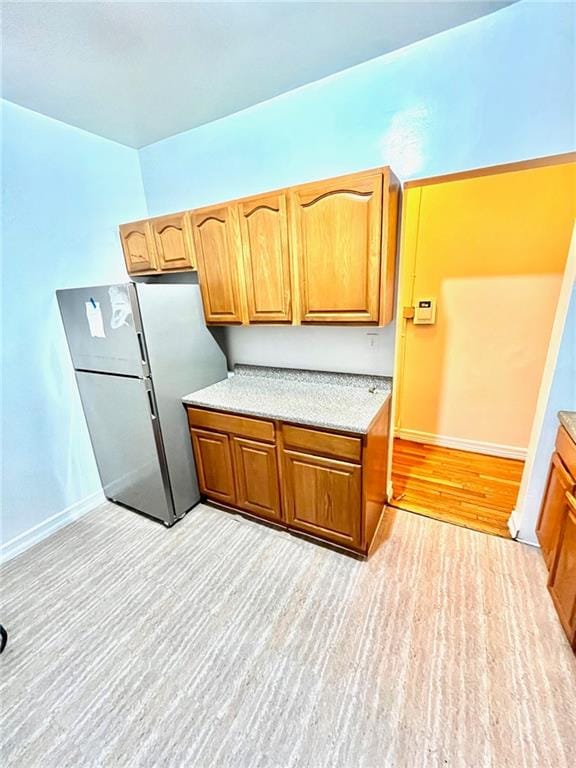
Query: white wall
{"x": 352, "y": 350}
{"x": 64, "y": 193}
{"x": 560, "y": 395}
{"x": 495, "y": 90}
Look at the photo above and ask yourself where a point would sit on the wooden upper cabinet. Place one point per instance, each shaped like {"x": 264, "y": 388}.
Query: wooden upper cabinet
{"x": 553, "y": 508}
{"x": 266, "y": 258}
{"x": 318, "y": 253}
{"x": 173, "y": 241}
{"x": 218, "y": 251}
{"x": 336, "y": 228}
{"x": 138, "y": 246}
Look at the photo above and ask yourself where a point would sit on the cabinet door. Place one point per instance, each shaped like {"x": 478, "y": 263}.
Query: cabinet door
{"x": 256, "y": 473}
{"x": 553, "y": 508}
{"x": 138, "y": 247}
{"x": 264, "y": 229}
{"x": 214, "y": 465}
{"x": 322, "y": 497}
{"x": 336, "y": 236}
{"x": 217, "y": 247}
{"x": 173, "y": 240}
{"x": 562, "y": 581}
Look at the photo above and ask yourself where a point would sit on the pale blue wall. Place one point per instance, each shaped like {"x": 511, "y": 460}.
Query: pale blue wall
{"x": 496, "y": 90}
{"x": 562, "y": 397}
{"x": 64, "y": 193}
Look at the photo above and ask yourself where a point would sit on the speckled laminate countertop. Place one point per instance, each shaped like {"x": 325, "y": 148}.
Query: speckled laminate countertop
{"x": 341, "y": 401}
{"x": 568, "y": 421}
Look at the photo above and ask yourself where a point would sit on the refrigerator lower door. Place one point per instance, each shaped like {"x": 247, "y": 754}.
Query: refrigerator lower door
{"x": 123, "y": 425}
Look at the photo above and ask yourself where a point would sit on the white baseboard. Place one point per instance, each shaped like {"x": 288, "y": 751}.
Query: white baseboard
{"x": 513, "y": 526}
{"x": 475, "y": 446}
{"x": 389, "y": 490}
{"x": 37, "y": 533}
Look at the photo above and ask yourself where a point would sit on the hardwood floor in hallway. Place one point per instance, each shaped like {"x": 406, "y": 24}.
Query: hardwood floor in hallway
{"x": 468, "y": 489}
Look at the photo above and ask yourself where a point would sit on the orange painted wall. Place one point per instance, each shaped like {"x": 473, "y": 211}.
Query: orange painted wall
{"x": 492, "y": 249}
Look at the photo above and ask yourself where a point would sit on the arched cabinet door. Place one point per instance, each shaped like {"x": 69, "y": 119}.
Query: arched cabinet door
{"x": 138, "y": 246}
{"x": 173, "y": 241}
{"x": 336, "y": 229}
{"x": 266, "y": 258}
{"x": 217, "y": 248}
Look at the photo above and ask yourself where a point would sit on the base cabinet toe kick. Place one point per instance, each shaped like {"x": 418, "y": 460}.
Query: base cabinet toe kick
{"x": 325, "y": 485}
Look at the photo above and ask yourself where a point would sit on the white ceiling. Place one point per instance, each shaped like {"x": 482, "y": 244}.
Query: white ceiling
{"x": 137, "y": 72}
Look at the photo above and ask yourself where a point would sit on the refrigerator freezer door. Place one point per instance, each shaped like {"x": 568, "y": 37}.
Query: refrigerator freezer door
{"x": 184, "y": 356}
{"x": 123, "y": 426}
{"x": 103, "y": 329}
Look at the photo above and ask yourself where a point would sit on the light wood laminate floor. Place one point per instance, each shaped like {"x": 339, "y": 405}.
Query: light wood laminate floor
{"x": 221, "y": 642}
{"x": 460, "y": 487}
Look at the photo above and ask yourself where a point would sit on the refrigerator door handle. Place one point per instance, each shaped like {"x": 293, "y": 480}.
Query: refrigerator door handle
{"x": 153, "y": 414}
{"x": 140, "y": 337}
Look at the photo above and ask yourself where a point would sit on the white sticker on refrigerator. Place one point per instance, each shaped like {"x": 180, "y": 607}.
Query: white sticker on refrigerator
{"x": 95, "y": 321}
{"x": 121, "y": 306}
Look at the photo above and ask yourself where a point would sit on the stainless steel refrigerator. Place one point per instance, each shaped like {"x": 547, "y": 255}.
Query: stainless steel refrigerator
{"x": 136, "y": 350}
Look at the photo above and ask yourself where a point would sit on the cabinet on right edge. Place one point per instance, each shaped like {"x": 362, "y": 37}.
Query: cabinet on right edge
{"x": 562, "y": 581}
{"x": 556, "y": 531}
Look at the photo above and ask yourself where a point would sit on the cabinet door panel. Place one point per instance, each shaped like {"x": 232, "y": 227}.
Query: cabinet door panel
{"x": 256, "y": 472}
{"x": 264, "y": 228}
{"x": 553, "y": 508}
{"x": 322, "y": 497}
{"x": 214, "y": 465}
{"x": 173, "y": 240}
{"x": 217, "y": 249}
{"x": 337, "y": 231}
{"x": 138, "y": 247}
{"x": 562, "y": 582}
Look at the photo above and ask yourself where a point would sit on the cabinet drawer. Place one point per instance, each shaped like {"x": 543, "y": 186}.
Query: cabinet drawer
{"x": 236, "y": 425}
{"x": 567, "y": 450}
{"x": 327, "y": 443}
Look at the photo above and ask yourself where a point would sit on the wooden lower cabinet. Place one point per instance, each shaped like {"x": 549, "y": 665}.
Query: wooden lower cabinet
{"x": 556, "y": 531}
{"x": 553, "y": 508}
{"x": 323, "y": 497}
{"x": 214, "y": 465}
{"x": 321, "y": 484}
{"x": 562, "y": 581}
{"x": 256, "y": 471}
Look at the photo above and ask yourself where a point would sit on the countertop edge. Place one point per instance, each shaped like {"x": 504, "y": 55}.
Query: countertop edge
{"x": 298, "y": 421}
{"x": 568, "y": 420}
